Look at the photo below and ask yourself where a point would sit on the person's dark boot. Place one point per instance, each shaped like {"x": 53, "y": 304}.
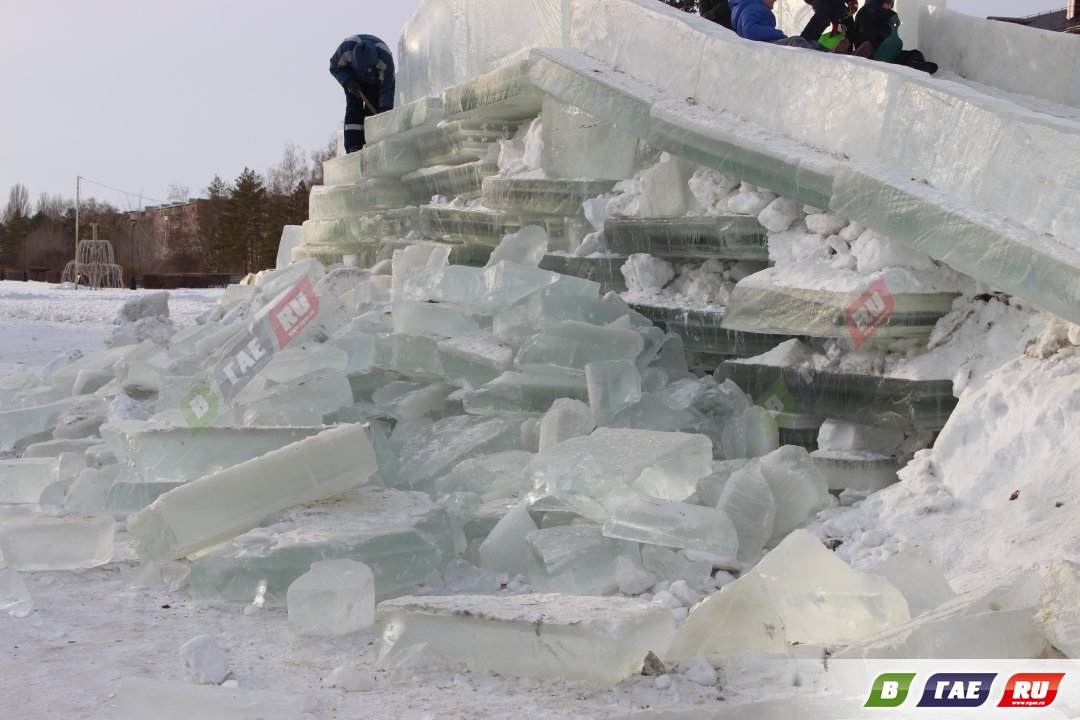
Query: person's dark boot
{"x": 865, "y": 50}
{"x": 843, "y": 47}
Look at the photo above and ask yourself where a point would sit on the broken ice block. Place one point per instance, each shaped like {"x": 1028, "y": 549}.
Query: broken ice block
{"x": 411, "y": 354}
{"x": 490, "y": 476}
{"x": 534, "y": 312}
{"x": 401, "y": 536}
{"x": 596, "y": 473}
{"x": 44, "y": 543}
{"x": 312, "y": 397}
{"x": 748, "y": 501}
{"x": 140, "y": 698}
{"x": 997, "y": 621}
{"x": 222, "y": 505}
{"x": 15, "y": 599}
{"x": 915, "y": 574}
{"x": 519, "y": 394}
{"x": 1058, "y": 615}
{"x": 24, "y": 422}
{"x": 451, "y": 440}
{"x": 601, "y": 269}
{"x": 577, "y": 144}
{"x": 857, "y": 470}
{"x": 612, "y": 385}
{"x": 602, "y": 640}
{"x": 543, "y": 196}
{"x": 572, "y": 345}
{"x": 525, "y": 247}
{"x": 505, "y": 549}
{"x": 474, "y": 359}
{"x": 413, "y": 318}
{"x": 450, "y": 181}
{"x": 334, "y": 597}
{"x": 504, "y": 94}
{"x": 361, "y": 231}
{"x": 821, "y": 600}
{"x": 576, "y": 559}
{"x": 342, "y": 201}
{"x": 739, "y": 617}
{"x": 732, "y": 237}
{"x": 653, "y": 521}
{"x": 23, "y": 479}
{"x": 566, "y": 419}
{"x": 798, "y": 487}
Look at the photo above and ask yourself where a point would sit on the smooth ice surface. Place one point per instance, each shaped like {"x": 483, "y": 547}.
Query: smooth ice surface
{"x": 451, "y": 440}
{"x": 23, "y": 479}
{"x": 474, "y": 359}
{"x": 673, "y": 524}
{"x": 575, "y": 559}
{"x": 915, "y": 574}
{"x": 342, "y": 201}
{"x": 572, "y": 345}
{"x": 798, "y": 488}
{"x": 731, "y": 237}
{"x": 452, "y": 181}
{"x": 334, "y": 597}
{"x": 823, "y": 601}
{"x": 402, "y": 537}
{"x": 545, "y": 196}
{"x": 525, "y": 247}
{"x": 503, "y": 94}
{"x": 44, "y": 543}
{"x": 601, "y": 640}
{"x": 577, "y": 144}
{"x": 141, "y": 698}
{"x": 739, "y": 617}
{"x": 566, "y": 419}
{"x": 505, "y": 549}
{"x": 522, "y": 394}
{"x": 748, "y": 500}
{"x": 224, "y": 504}
{"x": 596, "y": 473}
{"x": 612, "y": 385}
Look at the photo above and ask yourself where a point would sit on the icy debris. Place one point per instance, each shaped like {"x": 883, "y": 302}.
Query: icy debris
{"x": 18, "y": 424}
{"x": 798, "y": 488}
{"x": 672, "y": 524}
{"x": 506, "y": 550}
{"x": 224, "y": 504}
{"x": 646, "y": 273}
{"x": 45, "y": 543}
{"x": 566, "y": 419}
{"x": 140, "y": 698}
{"x": 352, "y": 679}
{"x": 575, "y": 559}
{"x": 915, "y": 574}
{"x": 739, "y": 617}
{"x": 779, "y": 215}
{"x": 22, "y": 480}
{"x": 525, "y": 247}
{"x": 335, "y": 597}
{"x": 747, "y": 499}
{"x": 14, "y": 597}
{"x": 699, "y": 670}
{"x": 1058, "y": 612}
{"x": 602, "y": 640}
{"x": 145, "y": 317}
{"x": 612, "y": 385}
{"x": 204, "y": 661}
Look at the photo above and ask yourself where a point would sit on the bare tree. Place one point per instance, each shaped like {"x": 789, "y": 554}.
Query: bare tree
{"x": 52, "y": 207}
{"x": 286, "y": 175}
{"x": 18, "y": 205}
{"x": 177, "y": 192}
{"x": 318, "y": 157}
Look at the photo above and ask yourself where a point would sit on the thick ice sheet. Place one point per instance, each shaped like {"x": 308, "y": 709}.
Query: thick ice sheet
{"x": 731, "y": 237}
{"x": 541, "y": 195}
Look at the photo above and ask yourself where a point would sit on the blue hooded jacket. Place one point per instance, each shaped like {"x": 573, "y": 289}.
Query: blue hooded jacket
{"x": 754, "y": 21}
{"x": 367, "y": 60}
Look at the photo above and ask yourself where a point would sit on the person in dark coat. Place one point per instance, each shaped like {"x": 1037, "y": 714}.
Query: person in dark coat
{"x": 878, "y": 24}
{"x": 716, "y": 10}
{"x": 364, "y": 67}
{"x": 826, "y": 13}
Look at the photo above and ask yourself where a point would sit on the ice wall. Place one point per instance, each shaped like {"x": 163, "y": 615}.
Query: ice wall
{"x": 447, "y": 42}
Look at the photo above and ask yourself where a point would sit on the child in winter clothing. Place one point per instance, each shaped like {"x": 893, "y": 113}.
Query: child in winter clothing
{"x": 878, "y": 24}
{"x": 716, "y": 10}
{"x": 754, "y": 20}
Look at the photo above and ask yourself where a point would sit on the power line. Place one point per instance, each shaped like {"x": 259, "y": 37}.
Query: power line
{"x": 123, "y": 192}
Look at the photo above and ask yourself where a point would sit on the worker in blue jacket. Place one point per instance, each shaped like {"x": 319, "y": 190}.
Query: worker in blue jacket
{"x": 364, "y": 67}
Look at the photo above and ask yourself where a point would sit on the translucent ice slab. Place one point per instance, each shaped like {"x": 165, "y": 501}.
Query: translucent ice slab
{"x": 224, "y": 504}
{"x": 504, "y": 94}
{"x": 577, "y": 144}
{"x": 475, "y": 359}
{"x": 401, "y": 536}
{"x": 46, "y": 543}
{"x": 155, "y": 453}
{"x": 597, "y": 473}
{"x": 413, "y": 318}
{"x": 602, "y": 640}
{"x": 15, "y": 600}
{"x": 602, "y": 270}
{"x": 23, "y": 479}
{"x": 856, "y": 470}
{"x": 434, "y": 452}
{"x": 732, "y": 237}
{"x": 575, "y": 559}
{"x": 799, "y": 489}
{"x": 319, "y": 394}
{"x": 915, "y": 573}
{"x": 612, "y": 385}
{"x": 451, "y": 181}
{"x": 18, "y": 424}
{"x": 865, "y": 399}
{"x": 349, "y": 235}
{"x": 671, "y": 524}
{"x": 823, "y": 601}
{"x": 748, "y": 500}
{"x": 402, "y": 121}
{"x": 491, "y": 476}
{"x": 390, "y": 158}
{"x": 490, "y": 226}
{"x": 566, "y": 419}
{"x": 541, "y": 196}
{"x": 125, "y": 497}
{"x": 140, "y": 698}
{"x": 463, "y": 141}
{"x": 410, "y": 354}
{"x": 505, "y": 549}
{"x": 570, "y": 345}
{"x": 344, "y": 201}
{"x": 334, "y": 597}
{"x": 558, "y": 303}
{"x": 702, "y": 330}
{"x": 521, "y": 394}
{"x": 739, "y": 617}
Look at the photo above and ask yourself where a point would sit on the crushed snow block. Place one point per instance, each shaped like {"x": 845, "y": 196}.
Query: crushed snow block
{"x": 47, "y": 543}
{"x": 857, "y": 470}
{"x": 731, "y": 237}
{"x": 141, "y": 698}
{"x": 334, "y": 597}
{"x": 204, "y": 661}
{"x": 541, "y": 196}
{"x": 401, "y": 536}
{"x": 222, "y": 505}
{"x": 603, "y": 640}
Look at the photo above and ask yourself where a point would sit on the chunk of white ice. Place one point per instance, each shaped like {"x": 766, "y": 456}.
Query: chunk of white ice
{"x": 335, "y": 597}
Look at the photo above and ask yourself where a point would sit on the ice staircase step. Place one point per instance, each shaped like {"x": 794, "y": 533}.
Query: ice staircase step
{"x": 701, "y": 330}
{"x": 504, "y": 94}
{"x": 857, "y": 470}
{"x": 604, "y": 270}
{"x": 357, "y": 233}
{"x": 856, "y": 398}
{"x": 488, "y": 227}
{"x": 731, "y": 237}
{"x": 401, "y": 536}
{"x": 542, "y": 196}
{"x": 346, "y": 201}
{"x": 472, "y": 255}
{"x": 403, "y": 121}
{"x": 462, "y": 141}
{"x": 451, "y": 181}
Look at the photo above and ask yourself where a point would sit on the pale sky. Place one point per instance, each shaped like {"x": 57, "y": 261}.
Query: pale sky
{"x": 140, "y": 94}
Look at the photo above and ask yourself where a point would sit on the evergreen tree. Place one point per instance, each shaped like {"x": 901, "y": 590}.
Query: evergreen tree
{"x": 210, "y": 215}
{"x": 244, "y": 225}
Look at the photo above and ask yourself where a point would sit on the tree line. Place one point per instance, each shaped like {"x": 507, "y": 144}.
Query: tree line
{"x": 234, "y": 227}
